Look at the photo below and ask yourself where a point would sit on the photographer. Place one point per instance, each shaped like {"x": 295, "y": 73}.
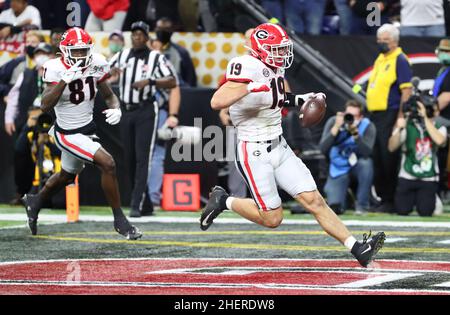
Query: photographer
{"x": 420, "y": 136}
{"x": 348, "y": 140}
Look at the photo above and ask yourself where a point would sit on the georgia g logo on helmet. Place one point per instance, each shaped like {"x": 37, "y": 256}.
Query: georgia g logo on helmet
{"x": 76, "y": 45}
{"x": 262, "y": 34}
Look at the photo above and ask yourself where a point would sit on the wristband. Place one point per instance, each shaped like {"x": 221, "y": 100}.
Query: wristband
{"x": 151, "y": 82}
{"x": 174, "y": 115}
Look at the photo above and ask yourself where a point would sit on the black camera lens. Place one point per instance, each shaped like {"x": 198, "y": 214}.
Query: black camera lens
{"x": 349, "y": 118}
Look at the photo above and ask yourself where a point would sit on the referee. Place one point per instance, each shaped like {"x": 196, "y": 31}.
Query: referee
{"x": 141, "y": 71}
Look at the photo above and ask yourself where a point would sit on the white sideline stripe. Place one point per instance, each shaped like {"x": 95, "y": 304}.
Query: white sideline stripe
{"x": 395, "y": 239}
{"x": 25, "y": 225}
{"x": 377, "y": 280}
{"x": 444, "y": 242}
{"x": 443, "y": 285}
{"x": 61, "y": 218}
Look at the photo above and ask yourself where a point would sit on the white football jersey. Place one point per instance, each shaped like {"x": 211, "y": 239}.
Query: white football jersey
{"x": 257, "y": 116}
{"x": 75, "y": 107}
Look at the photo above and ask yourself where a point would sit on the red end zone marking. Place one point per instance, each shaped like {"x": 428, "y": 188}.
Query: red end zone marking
{"x": 208, "y": 276}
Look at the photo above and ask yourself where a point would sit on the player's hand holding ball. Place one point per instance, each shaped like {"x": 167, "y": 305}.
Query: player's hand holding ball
{"x": 113, "y": 115}
{"x": 73, "y": 73}
{"x": 313, "y": 110}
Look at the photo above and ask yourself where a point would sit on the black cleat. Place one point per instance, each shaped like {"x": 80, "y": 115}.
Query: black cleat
{"x": 213, "y": 207}
{"x": 365, "y": 252}
{"x": 123, "y": 227}
{"x": 32, "y": 207}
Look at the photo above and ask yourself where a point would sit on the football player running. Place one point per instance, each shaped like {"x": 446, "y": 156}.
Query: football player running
{"x": 254, "y": 93}
{"x": 72, "y": 82}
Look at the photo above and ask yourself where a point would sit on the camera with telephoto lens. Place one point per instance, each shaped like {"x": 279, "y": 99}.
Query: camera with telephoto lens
{"x": 349, "y": 119}
{"x": 44, "y": 122}
{"x": 411, "y": 106}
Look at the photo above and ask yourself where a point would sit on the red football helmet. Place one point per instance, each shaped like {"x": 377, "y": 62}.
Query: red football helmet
{"x": 75, "y": 45}
{"x": 271, "y": 44}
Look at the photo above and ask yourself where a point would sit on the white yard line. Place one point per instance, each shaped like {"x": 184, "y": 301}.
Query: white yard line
{"x": 61, "y": 218}
{"x": 395, "y": 239}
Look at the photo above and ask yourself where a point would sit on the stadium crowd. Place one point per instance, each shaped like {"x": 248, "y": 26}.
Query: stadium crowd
{"x": 345, "y": 17}
{"x": 362, "y": 145}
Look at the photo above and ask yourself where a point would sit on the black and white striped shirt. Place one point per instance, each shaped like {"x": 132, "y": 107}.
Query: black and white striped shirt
{"x": 136, "y": 66}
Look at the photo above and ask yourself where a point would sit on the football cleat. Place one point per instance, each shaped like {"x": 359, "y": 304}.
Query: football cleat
{"x": 365, "y": 252}
{"x": 123, "y": 227}
{"x": 32, "y": 207}
{"x": 213, "y": 207}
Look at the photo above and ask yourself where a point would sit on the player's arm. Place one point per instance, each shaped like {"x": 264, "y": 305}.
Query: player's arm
{"x": 111, "y": 99}
{"x": 231, "y": 92}
{"x": 52, "y": 92}
{"x": 51, "y": 95}
{"x": 113, "y": 113}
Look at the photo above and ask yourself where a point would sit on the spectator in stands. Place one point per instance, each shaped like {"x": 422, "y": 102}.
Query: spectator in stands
{"x": 441, "y": 92}
{"x": 150, "y": 11}
{"x": 359, "y": 25}
{"x": 116, "y": 42}
{"x": 55, "y": 39}
{"x": 54, "y": 12}
{"x": 302, "y": 16}
{"x": 388, "y": 88}
{"x": 420, "y": 136}
{"x": 422, "y": 18}
{"x": 11, "y": 70}
{"x": 106, "y": 15}
{"x": 345, "y": 16}
{"x": 178, "y": 56}
{"x": 21, "y": 16}
{"x": 22, "y": 110}
{"x": 305, "y": 17}
{"x": 441, "y": 88}
{"x": 275, "y": 8}
{"x": 348, "y": 140}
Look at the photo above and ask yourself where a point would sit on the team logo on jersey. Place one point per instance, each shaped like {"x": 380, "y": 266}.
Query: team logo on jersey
{"x": 257, "y": 153}
{"x": 262, "y": 34}
{"x": 266, "y": 72}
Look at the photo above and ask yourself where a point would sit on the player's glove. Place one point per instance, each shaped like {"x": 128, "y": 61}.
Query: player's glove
{"x": 255, "y": 87}
{"x": 293, "y": 100}
{"x": 73, "y": 73}
{"x": 113, "y": 115}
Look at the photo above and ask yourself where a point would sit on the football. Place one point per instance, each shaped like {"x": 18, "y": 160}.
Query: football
{"x": 312, "y": 112}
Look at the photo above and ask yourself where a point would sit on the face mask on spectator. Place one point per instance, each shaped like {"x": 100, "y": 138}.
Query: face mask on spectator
{"x": 383, "y": 47}
{"x": 29, "y": 50}
{"x": 444, "y": 58}
{"x": 40, "y": 60}
{"x": 164, "y": 36}
{"x": 115, "y": 47}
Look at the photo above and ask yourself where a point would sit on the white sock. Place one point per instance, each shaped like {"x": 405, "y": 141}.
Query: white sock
{"x": 228, "y": 202}
{"x": 349, "y": 242}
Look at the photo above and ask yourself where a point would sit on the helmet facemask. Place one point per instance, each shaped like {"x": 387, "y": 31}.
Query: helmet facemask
{"x": 280, "y": 55}
{"x": 73, "y": 54}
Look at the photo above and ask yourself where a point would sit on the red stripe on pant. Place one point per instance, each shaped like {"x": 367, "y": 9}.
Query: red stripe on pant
{"x": 250, "y": 175}
{"x": 76, "y": 148}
